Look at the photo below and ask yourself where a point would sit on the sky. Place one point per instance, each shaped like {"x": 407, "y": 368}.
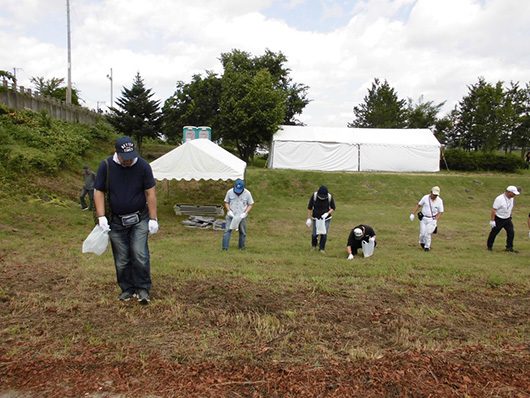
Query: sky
{"x": 434, "y": 49}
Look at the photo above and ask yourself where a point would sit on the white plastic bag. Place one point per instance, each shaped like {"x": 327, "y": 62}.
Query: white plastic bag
{"x": 96, "y": 242}
{"x": 320, "y": 225}
{"x": 368, "y": 248}
{"x": 235, "y": 222}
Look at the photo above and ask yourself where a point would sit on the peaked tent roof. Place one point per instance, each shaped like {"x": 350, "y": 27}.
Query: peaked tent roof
{"x": 198, "y": 159}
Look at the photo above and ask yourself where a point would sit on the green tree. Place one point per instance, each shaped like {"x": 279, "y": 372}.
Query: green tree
{"x": 381, "y": 108}
{"x": 444, "y": 128}
{"x": 54, "y": 88}
{"x": 422, "y": 114}
{"x": 207, "y": 100}
{"x": 295, "y": 93}
{"x": 517, "y": 116}
{"x": 136, "y": 114}
{"x": 251, "y": 109}
{"x": 7, "y": 76}
{"x": 193, "y": 104}
{"x": 482, "y": 117}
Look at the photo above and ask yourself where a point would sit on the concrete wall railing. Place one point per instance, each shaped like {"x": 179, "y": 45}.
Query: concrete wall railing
{"x": 20, "y": 98}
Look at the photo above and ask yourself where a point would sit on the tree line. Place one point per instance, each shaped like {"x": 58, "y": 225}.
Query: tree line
{"x": 490, "y": 117}
{"x": 254, "y": 95}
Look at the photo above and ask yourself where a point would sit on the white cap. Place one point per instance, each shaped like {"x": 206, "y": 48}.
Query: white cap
{"x": 512, "y": 189}
{"x": 435, "y": 190}
{"x": 358, "y": 233}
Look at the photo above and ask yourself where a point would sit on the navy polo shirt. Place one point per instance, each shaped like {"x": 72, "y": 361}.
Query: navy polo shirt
{"x": 127, "y": 185}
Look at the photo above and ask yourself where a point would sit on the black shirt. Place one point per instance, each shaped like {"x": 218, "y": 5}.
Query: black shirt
{"x": 320, "y": 206}
{"x": 368, "y": 233}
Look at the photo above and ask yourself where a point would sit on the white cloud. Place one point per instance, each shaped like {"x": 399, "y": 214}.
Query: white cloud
{"x": 424, "y": 47}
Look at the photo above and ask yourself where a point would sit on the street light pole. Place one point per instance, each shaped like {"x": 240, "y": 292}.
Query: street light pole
{"x": 69, "y": 83}
{"x": 110, "y": 78}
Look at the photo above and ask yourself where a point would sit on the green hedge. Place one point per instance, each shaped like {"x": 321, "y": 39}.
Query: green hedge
{"x": 458, "y": 159}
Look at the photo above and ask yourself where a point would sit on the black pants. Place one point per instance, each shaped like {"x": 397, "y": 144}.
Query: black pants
{"x": 358, "y": 244}
{"x": 501, "y": 223}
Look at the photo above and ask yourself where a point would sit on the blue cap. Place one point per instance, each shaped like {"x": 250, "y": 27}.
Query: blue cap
{"x": 239, "y": 186}
{"x": 125, "y": 148}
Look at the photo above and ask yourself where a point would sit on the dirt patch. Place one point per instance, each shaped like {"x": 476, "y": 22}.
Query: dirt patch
{"x": 232, "y": 337}
{"x": 472, "y": 371}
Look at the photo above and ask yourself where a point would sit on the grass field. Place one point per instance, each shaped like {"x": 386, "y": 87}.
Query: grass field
{"x": 276, "y": 320}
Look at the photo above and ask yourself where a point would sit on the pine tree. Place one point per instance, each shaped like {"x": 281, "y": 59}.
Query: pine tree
{"x": 136, "y": 114}
{"x": 381, "y": 108}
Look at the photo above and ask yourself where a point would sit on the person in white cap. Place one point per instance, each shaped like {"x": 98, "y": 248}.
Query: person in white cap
{"x": 358, "y": 234}
{"x": 432, "y": 208}
{"x": 501, "y": 217}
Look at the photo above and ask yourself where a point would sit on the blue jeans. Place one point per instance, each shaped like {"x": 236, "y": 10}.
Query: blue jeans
{"x": 228, "y": 233}
{"x": 131, "y": 254}
{"x": 323, "y": 238}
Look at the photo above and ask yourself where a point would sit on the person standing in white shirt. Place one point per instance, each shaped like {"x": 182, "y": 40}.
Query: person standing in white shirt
{"x": 501, "y": 217}
{"x": 432, "y": 207}
{"x": 238, "y": 203}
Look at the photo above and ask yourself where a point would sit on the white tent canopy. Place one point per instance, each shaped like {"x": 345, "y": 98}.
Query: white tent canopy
{"x": 198, "y": 159}
{"x": 354, "y": 149}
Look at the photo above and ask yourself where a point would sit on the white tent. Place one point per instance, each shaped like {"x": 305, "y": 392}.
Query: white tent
{"x": 198, "y": 159}
{"x": 354, "y": 149}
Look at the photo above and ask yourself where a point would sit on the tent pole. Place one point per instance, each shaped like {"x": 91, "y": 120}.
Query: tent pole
{"x": 358, "y": 157}
{"x": 443, "y": 157}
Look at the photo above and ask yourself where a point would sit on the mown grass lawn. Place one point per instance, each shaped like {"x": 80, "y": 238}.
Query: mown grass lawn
{"x": 277, "y": 303}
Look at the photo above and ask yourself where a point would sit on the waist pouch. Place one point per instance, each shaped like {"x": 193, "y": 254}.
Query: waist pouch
{"x": 129, "y": 219}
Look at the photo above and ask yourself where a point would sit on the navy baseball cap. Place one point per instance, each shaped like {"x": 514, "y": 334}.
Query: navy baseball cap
{"x": 126, "y": 148}
{"x": 322, "y": 192}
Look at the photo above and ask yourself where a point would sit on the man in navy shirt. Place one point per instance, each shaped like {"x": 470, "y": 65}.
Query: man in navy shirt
{"x": 130, "y": 215}
{"x": 321, "y": 205}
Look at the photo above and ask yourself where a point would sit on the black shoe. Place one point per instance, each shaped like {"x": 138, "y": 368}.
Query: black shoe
{"x": 511, "y": 250}
{"x": 143, "y": 296}
{"x": 422, "y": 245}
{"x": 426, "y": 249}
{"x": 125, "y": 296}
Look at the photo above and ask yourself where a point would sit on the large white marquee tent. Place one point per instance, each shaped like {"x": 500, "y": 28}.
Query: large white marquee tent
{"x": 198, "y": 159}
{"x": 354, "y": 149}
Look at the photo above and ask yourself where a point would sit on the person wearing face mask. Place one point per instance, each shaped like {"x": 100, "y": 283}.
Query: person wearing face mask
{"x": 126, "y": 206}
{"x": 238, "y": 202}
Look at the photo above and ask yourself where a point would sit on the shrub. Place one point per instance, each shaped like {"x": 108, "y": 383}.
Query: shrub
{"x": 458, "y": 159}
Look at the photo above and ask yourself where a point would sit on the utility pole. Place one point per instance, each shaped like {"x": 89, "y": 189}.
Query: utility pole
{"x": 15, "y": 74}
{"x": 97, "y": 106}
{"x": 110, "y": 78}
{"x": 69, "y": 83}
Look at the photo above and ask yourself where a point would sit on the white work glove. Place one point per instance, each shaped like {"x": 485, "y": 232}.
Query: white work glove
{"x": 435, "y": 222}
{"x": 153, "y": 227}
{"x": 230, "y": 214}
{"x": 492, "y": 224}
{"x": 371, "y": 239}
{"x": 308, "y": 223}
{"x": 529, "y": 234}
{"x": 350, "y": 256}
{"x": 103, "y": 223}
{"x": 244, "y": 215}
{"x": 411, "y": 217}
{"x": 325, "y": 215}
